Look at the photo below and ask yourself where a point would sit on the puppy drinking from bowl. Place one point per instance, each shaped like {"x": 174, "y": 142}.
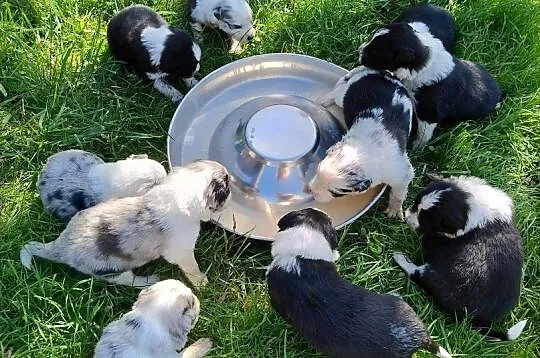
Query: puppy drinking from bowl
{"x": 234, "y": 17}
{"x": 446, "y": 89}
{"x": 74, "y": 180}
{"x": 379, "y": 114}
{"x": 338, "y": 318}
{"x": 142, "y": 39}
{"x": 112, "y": 238}
{"x": 473, "y": 252}
{"x": 157, "y": 326}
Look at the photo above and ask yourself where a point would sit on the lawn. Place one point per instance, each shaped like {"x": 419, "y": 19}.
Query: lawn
{"x": 59, "y": 89}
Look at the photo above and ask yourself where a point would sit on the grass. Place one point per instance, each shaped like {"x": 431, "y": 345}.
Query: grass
{"x": 59, "y": 89}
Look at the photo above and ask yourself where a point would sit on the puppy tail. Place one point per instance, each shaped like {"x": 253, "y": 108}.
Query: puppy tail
{"x": 34, "y": 248}
{"x": 439, "y": 351}
{"x": 510, "y": 335}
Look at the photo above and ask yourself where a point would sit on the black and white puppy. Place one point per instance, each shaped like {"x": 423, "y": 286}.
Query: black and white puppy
{"x": 446, "y": 89}
{"x": 74, "y": 180}
{"x": 157, "y": 326}
{"x": 338, "y": 318}
{"x": 473, "y": 253}
{"x": 140, "y": 37}
{"x": 112, "y": 238}
{"x": 379, "y": 114}
{"x": 234, "y": 17}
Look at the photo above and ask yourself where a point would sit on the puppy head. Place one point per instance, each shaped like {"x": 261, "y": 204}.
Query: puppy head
{"x": 393, "y": 47}
{"x": 340, "y": 173}
{"x": 215, "y": 181}
{"x": 180, "y": 56}
{"x": 308, "y": 233}
{"x": 441, "y": 208}
{"x": 172, "y": 304}
{"x": 235, "y": 18}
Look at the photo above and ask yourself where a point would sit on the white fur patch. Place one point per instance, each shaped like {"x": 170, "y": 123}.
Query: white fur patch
{"x": 380, "y": 33}
{"x": 412, "y": 219}
{"x": 515, "y": 331}
{"x": 438, "y": 66}
{"x": 300, "y": 241}
{"x": 487, "y": 204}
{"x": 405, "y": 101}
{"x": 425, "y": 133}
{"x": 443, "y": 353}
{"x": 196, "y": 49}
{"x": 153, "y": 39}
{"x": 407, "y": 266}
{"x": 430, "y": 199}
{"x": 419, "y": 26}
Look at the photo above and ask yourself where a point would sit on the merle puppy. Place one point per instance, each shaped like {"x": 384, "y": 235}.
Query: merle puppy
{"x": 338, "y": 318}
{"x": 112, "y": 238}
{"x": 74, "y": 180}
{"x": 379, "y": 113}
{"x": 157, "y": 326}
{"x": 446, "y": 89}
{"x": 234, "y": 17}
{"x": 472, "y": 251}
{"x": 140, "y": 37}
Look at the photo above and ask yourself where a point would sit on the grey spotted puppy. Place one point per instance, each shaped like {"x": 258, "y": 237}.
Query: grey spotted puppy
{"x": 74, "y": 180}
{"x": 157, "y": 326}
{"x": 112, "y": 238}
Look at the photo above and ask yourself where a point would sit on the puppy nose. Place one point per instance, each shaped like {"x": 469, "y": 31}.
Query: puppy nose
{"x": 249, "y": 38}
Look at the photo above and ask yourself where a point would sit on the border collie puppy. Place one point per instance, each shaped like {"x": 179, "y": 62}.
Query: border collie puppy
{"x": 472, "y": 250}
{"x": 338, "y": 318}
{"x": 74, "y": 180}
{"x": 112, "y": 238}
{"x": 446, "y": 89}
{"x": 140, "y": 37}
{"x": 379, "y": 114}
{"x": 156, "y": 326}
{"x": 234, "y": 17}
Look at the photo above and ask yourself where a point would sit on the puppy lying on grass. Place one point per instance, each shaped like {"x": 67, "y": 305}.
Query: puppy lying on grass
{"x": 157, "y": 326}
{"x": 112, "y": 238}
{"x": 234, "y": 17}
{"x": 74, "y": 180}
{"x": 142, "y": 39}
{"x": 473, "y": 252}
{"x": 338, "y": 318}
{"x": 446, "y": 89}
{"x": 379, "y": 114}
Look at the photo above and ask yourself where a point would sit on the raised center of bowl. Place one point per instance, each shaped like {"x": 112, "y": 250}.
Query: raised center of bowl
{"x": 281, "y": 133}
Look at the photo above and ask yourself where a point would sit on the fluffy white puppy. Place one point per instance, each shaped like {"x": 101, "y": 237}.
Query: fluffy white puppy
{"x": 112, "y": 238}
{"x": 378, "y": 111}
{"x": 74, "y": 180}
{"x": 157, "y": 326}
{"x": 234, "y": 17}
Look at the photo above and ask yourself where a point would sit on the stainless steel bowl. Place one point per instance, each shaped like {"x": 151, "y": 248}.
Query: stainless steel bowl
{"x": 258, "y": 116}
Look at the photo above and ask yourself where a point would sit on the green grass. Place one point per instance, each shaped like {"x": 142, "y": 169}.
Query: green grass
{"x": 60, "y": 90}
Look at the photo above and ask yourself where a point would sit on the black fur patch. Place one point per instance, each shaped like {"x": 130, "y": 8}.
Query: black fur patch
{"x": 218, "y": 192}
{"x": 133, "y": 323}
{"x": 314, "y": 219}
{"x": 79, "y": 200}
{"x": 108, "y": 242}
{"x": 57, "y": 194}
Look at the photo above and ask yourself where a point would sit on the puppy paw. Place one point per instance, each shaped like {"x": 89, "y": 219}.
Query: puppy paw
{"x": 404, "y": 262}
{"x": 199, "y": 280}
{"x": 394, "y": 212}
{"x": 177, "y": 98}
{"x": 234, "y": 46}
{"x": 26, "y": 254}
{"x": 200, "y": 348}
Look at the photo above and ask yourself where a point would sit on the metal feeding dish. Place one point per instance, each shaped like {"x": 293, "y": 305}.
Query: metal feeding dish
{"x": 259, "y": 117}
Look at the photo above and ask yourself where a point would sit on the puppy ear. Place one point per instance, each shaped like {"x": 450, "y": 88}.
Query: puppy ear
{"x": 361, "y": 185}
{"x": 217, "y": 193}
{"x": 222, "y": 12}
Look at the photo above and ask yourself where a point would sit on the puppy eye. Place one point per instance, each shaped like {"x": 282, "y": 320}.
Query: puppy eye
{"x": 235, "y": 26}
